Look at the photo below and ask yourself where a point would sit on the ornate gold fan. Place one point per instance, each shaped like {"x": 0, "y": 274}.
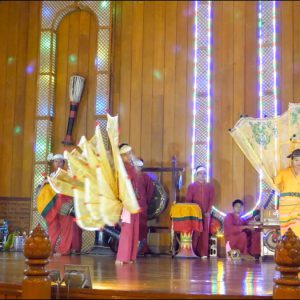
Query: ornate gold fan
{"x": 98, "y": 181}
{"x": 267, "y": 142}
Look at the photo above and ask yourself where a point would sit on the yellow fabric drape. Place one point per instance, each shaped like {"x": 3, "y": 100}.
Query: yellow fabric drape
{"x": 181, "y": 210}
{"x": 44, "y": 199}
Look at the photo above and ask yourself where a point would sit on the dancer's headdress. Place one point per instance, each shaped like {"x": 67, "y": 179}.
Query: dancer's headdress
{"x": 52, "y": 157}
{"x": 124, "y": 148}
{"x": 295, "y": 153}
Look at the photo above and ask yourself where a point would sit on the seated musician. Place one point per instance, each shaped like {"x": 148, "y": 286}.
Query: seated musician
{"x": 240, "y": 235}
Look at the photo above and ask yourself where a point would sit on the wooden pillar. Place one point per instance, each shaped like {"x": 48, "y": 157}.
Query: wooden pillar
{"x": 287, "y": 258}
{"x": 37, "y": 249}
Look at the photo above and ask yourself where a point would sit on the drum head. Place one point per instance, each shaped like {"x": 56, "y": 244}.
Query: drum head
{"x": 270, "y": 239}
{"x": 159, "y": 201}
{"x": 215, "y": 225}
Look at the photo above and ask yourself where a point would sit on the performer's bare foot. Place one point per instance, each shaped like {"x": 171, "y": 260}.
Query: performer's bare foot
{"x": 119, "y": 262}
{"x": 132, "y": 262}
{"x": 57, "y": 254}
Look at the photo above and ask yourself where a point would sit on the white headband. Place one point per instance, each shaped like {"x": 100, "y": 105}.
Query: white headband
{"x": 51, "y": 157}
{"x": 200, "y": 169}
{"x": 125, "y": 149}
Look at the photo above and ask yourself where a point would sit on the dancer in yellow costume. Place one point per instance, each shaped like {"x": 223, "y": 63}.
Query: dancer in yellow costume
{"x": 288, "y": 182}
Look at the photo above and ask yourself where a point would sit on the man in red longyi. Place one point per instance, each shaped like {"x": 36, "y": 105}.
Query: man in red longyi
{"x": 202, "y": 193}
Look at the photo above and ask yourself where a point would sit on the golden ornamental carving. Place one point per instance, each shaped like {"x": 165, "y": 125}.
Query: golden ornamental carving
{"x": 36, "y": 283}
{"x": 287, "y": 258}
{"x": 287, "y": 252}
{"x": 37, "y": 245}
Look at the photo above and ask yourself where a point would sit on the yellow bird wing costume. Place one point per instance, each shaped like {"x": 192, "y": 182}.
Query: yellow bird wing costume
{"x": 97, "y": 180}
{"x": 63, "y": 183}
{"x": 267, "y": 142}
{"x": 125, "y": 190}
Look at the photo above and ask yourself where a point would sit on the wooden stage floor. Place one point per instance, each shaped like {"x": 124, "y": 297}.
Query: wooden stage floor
{"x": 161, "y": 274}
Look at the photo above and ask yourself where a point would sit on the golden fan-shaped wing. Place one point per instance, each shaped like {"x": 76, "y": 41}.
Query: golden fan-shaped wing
{"x": 125, "y": 190}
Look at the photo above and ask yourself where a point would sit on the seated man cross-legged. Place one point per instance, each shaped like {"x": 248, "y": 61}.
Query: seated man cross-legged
{"x": 239, "y": 235}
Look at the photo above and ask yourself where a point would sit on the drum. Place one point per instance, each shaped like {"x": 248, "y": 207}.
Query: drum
{"x": 159, "y": 201}
{"x": 270, "y": 239}
{"x": 186, "y": 218}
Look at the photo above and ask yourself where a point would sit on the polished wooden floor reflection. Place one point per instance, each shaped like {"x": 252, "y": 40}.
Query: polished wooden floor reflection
{"x": 161, "y": 274}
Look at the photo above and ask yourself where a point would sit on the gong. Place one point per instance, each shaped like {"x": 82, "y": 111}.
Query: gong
{"x": 159, "y": 201}
{"x": 270, "y": 240}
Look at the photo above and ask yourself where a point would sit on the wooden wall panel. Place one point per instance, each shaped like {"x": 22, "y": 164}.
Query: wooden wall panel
{"x": 157, "y": 134}
{"x": 169, "y": 75}
{"x": 251, "y": 94}
{"x": 169, "y": 80}
{"x": 136, "y": 75}
{"x": 19, "y": 27}
{"x": 125, "y": 72}
{"x": 21, "y": 68}
{"x": 4, "y": 17}
{"x": 217, "y": 96}
{"x": 239, "y": 60}
{"x": 158, "y": 83}
{"x": 150, "y": 98}
{"x": 19, "y": 48}
{"x": 234, "y": 93}
{"x": 91, "y": 73}
{"x": 296, "y": 51}
{"x": 285, "y": 55}
{"x": 227, "y": 104}
{"x": 179, "y": 130}
{"x": 189, "y": 91}
{"x": 30, "y": 96}
{"x": 147, "y": 82}
{"x": 12, "y": 60}
{"x": 223, "y": 62}
{"x": 76, "y": 52}
{"x": 61, "y": 91}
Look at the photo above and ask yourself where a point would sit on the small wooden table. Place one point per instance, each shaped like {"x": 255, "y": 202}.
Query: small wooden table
{"x": 186, "y": 218}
